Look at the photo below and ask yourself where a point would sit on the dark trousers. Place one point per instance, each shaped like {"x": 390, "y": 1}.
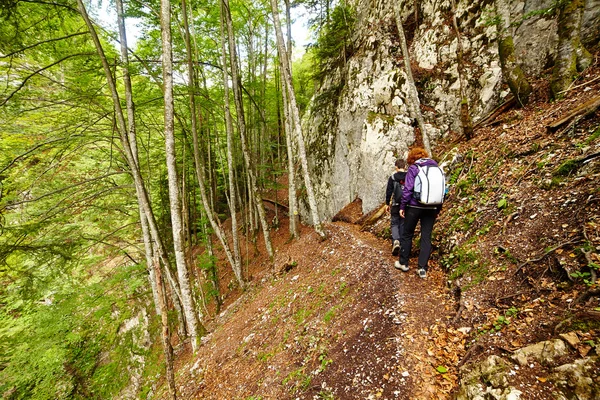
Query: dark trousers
{"x": 397, "y": 223}
{"x": 411, "y": 217}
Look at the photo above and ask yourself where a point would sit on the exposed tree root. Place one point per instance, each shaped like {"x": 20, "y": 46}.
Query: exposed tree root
{"x": 552, "y": 249}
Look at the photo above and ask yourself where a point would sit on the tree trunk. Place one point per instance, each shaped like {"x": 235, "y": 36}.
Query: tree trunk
{"x": 511, "y": 70}
{"x": 415, "y": 105}
{"x": 142, "y": 194}
{"x": 148, "y": 250}
{"x": 295, "y": 117}
{"x": 239, "y": 105}
{"x": 237, "y": 267}
{"x": 165, "y": 332}
{"x": 292, "y": 199}
{"x": 571, "y": 56}
{"x": 174, "y": 198}
{"x": 465, "y": 115}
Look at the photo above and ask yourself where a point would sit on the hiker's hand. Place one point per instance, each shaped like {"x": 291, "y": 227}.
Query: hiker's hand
{"x": 402, "y": 213}
{"x": 387, "y": 208}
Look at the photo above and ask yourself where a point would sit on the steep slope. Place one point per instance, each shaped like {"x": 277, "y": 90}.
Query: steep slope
{"x": 515, "y": 247}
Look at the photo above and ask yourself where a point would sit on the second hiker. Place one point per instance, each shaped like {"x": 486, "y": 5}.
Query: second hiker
{"x": 422, "y": 198}
{"x": 393, "y": 195}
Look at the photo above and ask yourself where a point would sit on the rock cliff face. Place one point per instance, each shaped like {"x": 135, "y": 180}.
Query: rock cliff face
{"x": 361, "y": 122}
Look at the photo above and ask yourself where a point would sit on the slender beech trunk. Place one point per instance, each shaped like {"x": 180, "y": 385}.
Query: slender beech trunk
{"x": 413, "y": 94}
{"x": 165, "y": 332}
{"x": 465, "y": 115}
{"x": 237, "y": 267}
{"x": 294, "y": 216}
{"x": 295, "y": 114}
{"x": 208, "y": 201}
{"x": 131, "y": 134}
{"x": 239, "y": 106}
{"x": 511, "y": 70}
{"x": 141, "y": 192}
{"x": 571, "y": 55}
{"x": 292, "y": 199}
{"x": 174, "y": 198}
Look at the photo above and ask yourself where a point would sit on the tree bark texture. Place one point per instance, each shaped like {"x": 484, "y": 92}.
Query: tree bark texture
{"x": 465, "y": 115}
{"x": 295, "y": 118}
{"x": 292, "y": 199}
{"x": 174, "y": 197}
{"x": 571, "y": 56}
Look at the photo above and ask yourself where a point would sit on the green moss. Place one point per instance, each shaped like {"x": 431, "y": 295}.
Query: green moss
{"x": 566, "y": 168}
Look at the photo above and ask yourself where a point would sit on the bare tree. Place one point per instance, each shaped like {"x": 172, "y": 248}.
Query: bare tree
{"x": 465, "y": 116}
{"x": 414, "y": 102}
{"x": 142, "y": 194}
{"x": 295, "y": 118}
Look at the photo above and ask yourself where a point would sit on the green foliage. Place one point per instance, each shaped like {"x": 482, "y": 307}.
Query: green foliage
{"x": 54, "y": 349}
{"x": 502, "y": 203}
{"x": 330, "y": 314}
{"x": 334, "y": 41}
{"x": 298, "y": 379}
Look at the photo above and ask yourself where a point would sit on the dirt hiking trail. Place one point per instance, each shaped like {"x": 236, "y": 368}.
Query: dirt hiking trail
{"x": 342, "y": 323}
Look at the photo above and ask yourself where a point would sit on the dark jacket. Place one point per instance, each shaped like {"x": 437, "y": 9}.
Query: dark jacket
{"x": 409, "y": 184}
{"x": 389, "y": 191}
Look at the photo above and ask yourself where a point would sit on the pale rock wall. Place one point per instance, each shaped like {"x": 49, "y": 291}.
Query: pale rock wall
{"x": 352, "y": 142}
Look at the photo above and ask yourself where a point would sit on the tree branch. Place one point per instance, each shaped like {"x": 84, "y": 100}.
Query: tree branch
{"x": 38, "y": 72}
{"x": 42, "y": 42}
{"x": 63, "y": 189}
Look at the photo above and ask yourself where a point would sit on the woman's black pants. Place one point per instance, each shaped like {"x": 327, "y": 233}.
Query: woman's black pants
{"x": 412, "y": 216}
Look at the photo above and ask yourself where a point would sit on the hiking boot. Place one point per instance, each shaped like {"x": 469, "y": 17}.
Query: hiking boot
{"x": 422, "y": 273}
{"x": 396, "y": 248}
{"x": 401, "y": 267}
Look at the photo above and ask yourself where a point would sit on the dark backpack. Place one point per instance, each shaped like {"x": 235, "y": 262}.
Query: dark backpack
{"x": 397, "y": 193}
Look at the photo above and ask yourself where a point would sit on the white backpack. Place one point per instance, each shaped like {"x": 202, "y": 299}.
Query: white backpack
{"x": 430, "y": 185}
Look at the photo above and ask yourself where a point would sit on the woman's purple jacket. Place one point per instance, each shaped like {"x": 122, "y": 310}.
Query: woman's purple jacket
{"x": 409, "y": 184}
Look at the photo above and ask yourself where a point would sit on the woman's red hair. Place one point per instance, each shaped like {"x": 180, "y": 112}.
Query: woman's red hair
{"x": 416, "y": 153}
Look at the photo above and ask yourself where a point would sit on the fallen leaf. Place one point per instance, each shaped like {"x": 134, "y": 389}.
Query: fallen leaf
{"x": 542, "y": 379}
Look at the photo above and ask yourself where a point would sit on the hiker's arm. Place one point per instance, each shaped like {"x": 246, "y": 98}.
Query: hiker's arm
{"x": 389, "y": 191}
{"x": 409, "y": 185}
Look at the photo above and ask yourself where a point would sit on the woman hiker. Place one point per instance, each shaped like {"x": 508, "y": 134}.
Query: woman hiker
{"x": 393, "y": 195}
{"x": 414, "y": 211}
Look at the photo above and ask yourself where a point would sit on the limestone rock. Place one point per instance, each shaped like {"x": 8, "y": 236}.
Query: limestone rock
{"x": 359, "y": 123}
{"x": 543, "y": 352}
{"x": 579, "y": 380}
{"x": 487, "y": 380}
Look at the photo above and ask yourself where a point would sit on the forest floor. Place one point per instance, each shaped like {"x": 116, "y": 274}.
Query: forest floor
{"x": 514, "y": 249}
